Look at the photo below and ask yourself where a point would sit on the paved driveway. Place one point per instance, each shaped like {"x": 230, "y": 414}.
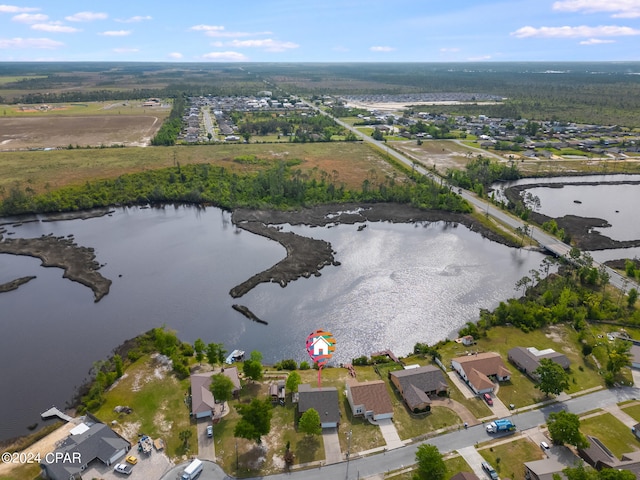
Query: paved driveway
{"x": 206, "y": 445}
{"x": 474, "y": 459}
{"x": 390, "y": 433}
{"x": 332, "y": 452}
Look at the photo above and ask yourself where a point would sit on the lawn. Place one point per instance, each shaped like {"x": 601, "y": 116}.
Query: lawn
{"x": 508, "y": 458}
{"x": 610, "y": 431}
{"x": 159, "y": 410}
{"x": 349, "y": 162}
{"x": 633, "y": 410}
{"x": 455, "y": 464}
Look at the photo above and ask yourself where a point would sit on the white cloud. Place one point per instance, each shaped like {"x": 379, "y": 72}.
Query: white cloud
{"x": 450, "y": 50}
{"x": 54, "y": 28}
{"x": 87, "y": 17}
{"x": 617, "y": 8}
{"x": 217, "y": 44}
{"x": 382, "y": 49}
{"x": 16, "y": 9}
{"x": 225, "y": 56}
{"x": 30, "y": 18}
{"x": 596, "y": 41}
{"x": 126, "y": 50}
{"x": 206, "y": 28}
{"x": 267, "y": 44}
{"x": 137, "y": 18}
{"x": 29, "y": 43}
{"x": 116, "y": 33}
{"x": 582, "y": 31}
{"x": 221, "y": 34}
{"x": 175, "y": 55}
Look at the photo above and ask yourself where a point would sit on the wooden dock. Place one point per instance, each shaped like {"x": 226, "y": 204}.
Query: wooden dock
{"x": 54, "y": 412}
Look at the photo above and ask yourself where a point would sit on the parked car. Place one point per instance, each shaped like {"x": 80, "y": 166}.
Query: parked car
{"x": 123, "y": 468}
{"x": 209, "y": 431}
{"x": 488, "y": 399}
{"x": 490, "y": 471}
{"x": 131, "y": 459}
{"x": 544, "y": 445}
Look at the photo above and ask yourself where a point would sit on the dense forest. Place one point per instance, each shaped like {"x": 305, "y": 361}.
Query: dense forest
{"x": 280, "y": 185}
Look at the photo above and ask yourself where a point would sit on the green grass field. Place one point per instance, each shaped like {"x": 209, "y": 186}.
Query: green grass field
{"x": 508, "y": 458}
{"x": 610, "y": 431}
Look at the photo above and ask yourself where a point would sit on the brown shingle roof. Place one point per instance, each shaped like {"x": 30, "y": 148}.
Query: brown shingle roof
{"x": 373, "y": 395}
{"x": 489, "y": 363}
{"x": 201, "y": 397}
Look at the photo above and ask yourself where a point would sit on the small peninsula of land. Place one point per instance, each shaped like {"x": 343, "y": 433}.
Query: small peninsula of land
{"x": 78, "y": 262}
{"x": 14, "y": 284}
{"x": 307, "y": 256}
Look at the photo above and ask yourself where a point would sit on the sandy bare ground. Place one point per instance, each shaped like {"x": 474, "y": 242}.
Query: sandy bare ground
{"x": 19, "y": 133}
{"x": 44, "y": 445}
{"x": 399, "y": 106}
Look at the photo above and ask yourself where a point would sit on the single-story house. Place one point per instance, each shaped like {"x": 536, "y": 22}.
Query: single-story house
{"x": 543, "y": 469}
{"x": 527, "y": 360}
{"x": 370, "y": 399}
{"x": 416, "y": 384}
{"x": 202, "y": 402}
{"x": 323, "y": 400}
{"x": 232, "y": 374}
{"x": 476, "y": 370}
{"x": 599, "y": 456}
{"x": 87, "y": 442}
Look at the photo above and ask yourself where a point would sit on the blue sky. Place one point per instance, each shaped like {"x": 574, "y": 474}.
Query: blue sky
{"x": 321, "y": 31}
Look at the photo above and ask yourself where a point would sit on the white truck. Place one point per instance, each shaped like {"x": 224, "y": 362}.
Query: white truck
{"x": 193, "y": 470}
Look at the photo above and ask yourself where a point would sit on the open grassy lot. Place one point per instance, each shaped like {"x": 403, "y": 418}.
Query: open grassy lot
{"x": 159, "y": 409}
{"x": 508, "y": 458}
{"x": 610, "y": 431}
{"x": 349, "y": 162}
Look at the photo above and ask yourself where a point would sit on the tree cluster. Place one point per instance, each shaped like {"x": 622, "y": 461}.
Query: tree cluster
{"x": 277, "y": 186}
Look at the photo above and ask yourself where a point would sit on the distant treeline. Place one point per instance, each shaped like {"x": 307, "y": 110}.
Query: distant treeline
{"x": 278, "y": 186}
{"x": 168, "y": 133}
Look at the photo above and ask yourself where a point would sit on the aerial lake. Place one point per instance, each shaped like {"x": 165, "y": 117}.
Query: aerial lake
{"x": 397, "y": 284}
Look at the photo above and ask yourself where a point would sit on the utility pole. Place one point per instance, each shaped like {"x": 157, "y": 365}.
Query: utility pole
{"x": 348, "y": 452}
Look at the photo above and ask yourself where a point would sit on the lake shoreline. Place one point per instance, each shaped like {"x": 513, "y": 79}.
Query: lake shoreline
{"x": 305, "y": 256}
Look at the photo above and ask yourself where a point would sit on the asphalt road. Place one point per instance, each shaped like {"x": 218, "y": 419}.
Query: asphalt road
{"x": 550, "y": 242}
{"x": 405, "y": 456}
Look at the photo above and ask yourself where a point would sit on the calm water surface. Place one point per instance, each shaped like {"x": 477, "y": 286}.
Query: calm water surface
{"x": 617, "y": 204}
{"x": 397, "y": 285}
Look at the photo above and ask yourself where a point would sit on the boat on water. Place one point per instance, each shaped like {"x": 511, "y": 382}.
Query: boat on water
{"x": 235, "y": 356}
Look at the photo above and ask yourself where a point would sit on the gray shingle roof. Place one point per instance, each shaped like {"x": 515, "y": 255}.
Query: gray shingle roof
{"x": 323, "y": 400}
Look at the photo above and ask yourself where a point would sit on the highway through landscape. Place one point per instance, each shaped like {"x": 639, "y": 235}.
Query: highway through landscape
{"x": 546, "y": 241}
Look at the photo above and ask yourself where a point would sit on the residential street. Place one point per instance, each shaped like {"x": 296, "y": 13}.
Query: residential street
{"x": 374, "y": 465}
